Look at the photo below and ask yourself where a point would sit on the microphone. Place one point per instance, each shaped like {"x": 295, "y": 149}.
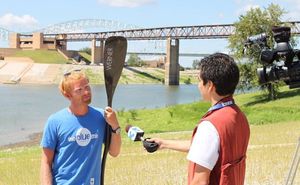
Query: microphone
{"x": 136, "y": 134}
{"x": 259, "y": 38}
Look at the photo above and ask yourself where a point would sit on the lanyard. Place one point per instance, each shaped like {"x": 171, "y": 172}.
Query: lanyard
{"x": 221, "y": 105}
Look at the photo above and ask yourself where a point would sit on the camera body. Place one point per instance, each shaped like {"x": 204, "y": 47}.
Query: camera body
{"x": 278, "y": 63}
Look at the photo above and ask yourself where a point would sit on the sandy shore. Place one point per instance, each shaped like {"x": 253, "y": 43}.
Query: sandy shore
{"x": 33, "y": 139}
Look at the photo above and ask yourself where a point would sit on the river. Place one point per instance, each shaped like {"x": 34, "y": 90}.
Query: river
{"x": 25, "y": 108}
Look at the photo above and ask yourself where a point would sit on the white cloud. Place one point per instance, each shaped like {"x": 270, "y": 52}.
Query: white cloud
{"x": 241, "y": 2}
{"x": 294, "y": 11}
{"x": 294, "y": 3}
{"x": 237, "y": 1}
{"x": 126, "y": 3}
{"x": 246, "y": 8}
{"x": 11, "y": 21}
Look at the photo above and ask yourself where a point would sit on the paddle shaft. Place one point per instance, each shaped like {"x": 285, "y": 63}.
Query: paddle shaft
{"x": 114, "y": 58}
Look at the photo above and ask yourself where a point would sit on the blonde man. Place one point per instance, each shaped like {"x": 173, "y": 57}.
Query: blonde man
{"x": 73, "y": 137}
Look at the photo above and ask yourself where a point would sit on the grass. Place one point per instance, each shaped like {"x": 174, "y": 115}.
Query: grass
{"x": 20, "y": 166}
{"x": 270, "y": 152}
{"x": 261, "y": 111}
{"x": 184, "y": 117}
{"x": 86, "y": 55}
{"x": 42, "y": 56}
{"x": 188, "y": 76}
{"x": 140, "y": 75}
{"x": 268, "y": 160}
{"x": 133, "y": 76}
{"x": 272, "y": 145}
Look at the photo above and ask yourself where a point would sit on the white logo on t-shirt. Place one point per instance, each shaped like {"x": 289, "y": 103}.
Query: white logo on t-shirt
{"x": 92, "y": 181}
{"x": 83, "y": 137}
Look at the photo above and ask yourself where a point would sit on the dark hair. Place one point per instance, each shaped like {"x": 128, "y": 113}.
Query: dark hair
{"x": 222, "y": 71}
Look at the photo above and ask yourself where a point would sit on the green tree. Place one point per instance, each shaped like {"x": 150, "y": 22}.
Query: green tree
{"x": 86, "y": 50}
{"x": 135, "y": 60}
{"x": 195, "y": 63}
{"x": 255, "y": 21}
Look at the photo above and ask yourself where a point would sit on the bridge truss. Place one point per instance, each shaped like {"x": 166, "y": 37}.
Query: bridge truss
{"x": 184, "y": 32}
{"x": 4, "y": 34}
{"x": 81, "y": 25}
{"x": 84, "y": 24}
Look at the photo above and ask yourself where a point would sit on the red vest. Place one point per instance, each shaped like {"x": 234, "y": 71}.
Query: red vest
{"x": 234, "y": 132}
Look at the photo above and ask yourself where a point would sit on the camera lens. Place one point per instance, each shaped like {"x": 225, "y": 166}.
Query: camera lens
{"x": 261, "y": 75}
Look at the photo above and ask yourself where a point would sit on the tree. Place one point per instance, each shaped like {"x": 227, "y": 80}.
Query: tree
{"x": 195, "y": 63}
{"x": 255, "y": 21}
{"x": 86, "y": 50}
{"x": 134, "y": 60}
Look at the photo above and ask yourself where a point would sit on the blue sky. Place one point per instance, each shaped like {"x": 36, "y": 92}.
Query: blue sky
{"x": 144, "y": 13}
{"x": 28, "y": 15}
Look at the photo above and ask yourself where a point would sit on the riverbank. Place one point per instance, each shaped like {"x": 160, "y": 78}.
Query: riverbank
{"x": 258, "y": 110}
{"x": 275, "y": 128}
{"x": 28, "y": 72}
{"x": 33, "y": 140}
{"x": 27, "y": 106}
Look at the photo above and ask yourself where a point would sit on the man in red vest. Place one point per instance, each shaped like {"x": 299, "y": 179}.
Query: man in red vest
{"x": 217, "y": 151}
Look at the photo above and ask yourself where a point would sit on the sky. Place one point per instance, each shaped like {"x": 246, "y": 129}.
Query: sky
{"x": 29, "y": 15}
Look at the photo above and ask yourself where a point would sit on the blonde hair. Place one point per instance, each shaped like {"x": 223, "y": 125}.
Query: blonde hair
{"x": 66, "y": 82}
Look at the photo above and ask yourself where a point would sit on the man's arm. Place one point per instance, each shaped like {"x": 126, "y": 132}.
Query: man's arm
{"x": 46, "y": 166}
{"x": 115, "y": 145}
{"x": 178, "y": 145}
{"x": 111, "y": 119}
{"x": 201, "y": 176}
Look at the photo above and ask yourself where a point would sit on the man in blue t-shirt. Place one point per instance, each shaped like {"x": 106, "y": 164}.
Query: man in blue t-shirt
{"x": 73, "y": 137}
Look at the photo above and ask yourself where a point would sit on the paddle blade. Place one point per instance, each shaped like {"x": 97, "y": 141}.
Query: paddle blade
{"x": 114, "y": 58}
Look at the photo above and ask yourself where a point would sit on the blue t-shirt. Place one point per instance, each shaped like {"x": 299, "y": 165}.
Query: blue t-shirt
{"x": 77, "y": 145}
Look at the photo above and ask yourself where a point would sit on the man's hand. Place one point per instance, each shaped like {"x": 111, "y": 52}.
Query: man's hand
{"x": 111, "y": 117}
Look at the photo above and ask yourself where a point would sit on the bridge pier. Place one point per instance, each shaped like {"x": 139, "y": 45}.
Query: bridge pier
{"x": 97, "y": 52}
{"x": 172, "y": 62}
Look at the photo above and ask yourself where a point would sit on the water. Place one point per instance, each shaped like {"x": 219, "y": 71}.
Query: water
{"x": 25, "y": 108}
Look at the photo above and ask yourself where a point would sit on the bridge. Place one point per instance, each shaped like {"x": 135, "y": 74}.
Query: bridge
{"x": 181, "y": 32}
{"x": 171, "y": 34}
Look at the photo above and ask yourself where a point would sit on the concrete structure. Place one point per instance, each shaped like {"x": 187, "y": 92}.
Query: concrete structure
{"x": 39, "y": 41}
{"x": 172, "y": 62}
{"x": 14, "y": 40}
{"x": 97, "y": 55}
{"x": 159, "y": 63}
{"x": 34, "y": 41}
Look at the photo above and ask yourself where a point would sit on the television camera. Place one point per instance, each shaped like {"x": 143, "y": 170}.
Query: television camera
{"x": 278, "y": 63}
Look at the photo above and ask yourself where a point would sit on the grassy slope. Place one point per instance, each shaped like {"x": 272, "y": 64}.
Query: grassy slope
{"x": 86, "y": 56}
{"x": 269, "y": 154}
{"x": 42, "y": 56}
{"x": 140, "y": 76}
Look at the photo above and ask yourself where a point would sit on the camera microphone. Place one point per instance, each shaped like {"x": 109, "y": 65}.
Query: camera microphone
{"x": 257, "y": 38}
{"x": 136, "y": 134}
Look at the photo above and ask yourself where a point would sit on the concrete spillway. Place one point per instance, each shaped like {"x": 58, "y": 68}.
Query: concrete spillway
{"x": 12, "y": 72}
